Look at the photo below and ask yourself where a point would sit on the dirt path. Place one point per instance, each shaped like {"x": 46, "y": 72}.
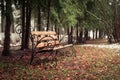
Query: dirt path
{"x": 97, "y": 41}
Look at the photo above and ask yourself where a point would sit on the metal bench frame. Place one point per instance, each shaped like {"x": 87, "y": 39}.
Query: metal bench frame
{"x": 48, "y": 47}
{"x": 49, "y": 40}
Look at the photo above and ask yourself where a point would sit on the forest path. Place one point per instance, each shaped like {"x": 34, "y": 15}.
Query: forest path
{"x": 97, "y": 41}
{"x": 101, "y": 43}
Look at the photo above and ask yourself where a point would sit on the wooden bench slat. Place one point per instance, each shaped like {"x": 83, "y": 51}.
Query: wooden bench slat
{"x": 40, "y": 45}
{"x": 42, "y": 37}
{"x": 49, "y": 38}
{"x": 62, "y": 46}
{"x": 43, "y": 44}
{"x": 43, "y": 32}
{"x": 45, "y": 39}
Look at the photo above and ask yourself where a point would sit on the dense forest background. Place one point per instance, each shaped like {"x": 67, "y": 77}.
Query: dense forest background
{"x": 75, "y": 18}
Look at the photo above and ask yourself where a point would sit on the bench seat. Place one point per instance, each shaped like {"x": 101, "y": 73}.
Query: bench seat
{"x": 45, "y": 41}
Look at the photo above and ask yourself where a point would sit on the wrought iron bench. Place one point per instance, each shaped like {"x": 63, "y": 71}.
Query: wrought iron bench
{"x": 46, "y": 41}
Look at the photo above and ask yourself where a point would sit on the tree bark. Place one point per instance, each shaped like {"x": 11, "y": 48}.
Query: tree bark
{"x": 39, "y": 23}
{"x": 2, "y": 16}
{"x": 56, "y": 27}
{"x": 70, "y": 35}
{"x": 86, "y": 35}
{"x": 80, "y": 36}
{"x": 77, "y": 36}
{"x": 115, "y": 31}
{"x": 28, "y": 19}
{"x": 58, "y": 32}
{"x": 96, "y": 33}
{"x": 23, "y": 25}
{"x": 93, "y": 34}
{"x": 100, "y": 34}
{"x": 48, "y": 15}
{"x": 6, "y": 50}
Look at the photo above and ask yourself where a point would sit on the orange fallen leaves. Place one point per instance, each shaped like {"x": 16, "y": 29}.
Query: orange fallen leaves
{"x": 89, "y": 64}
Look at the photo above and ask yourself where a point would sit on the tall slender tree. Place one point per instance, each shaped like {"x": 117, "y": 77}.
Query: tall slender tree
{"x": 6, "y": 49}
{"x": 48, "y": 15}
{"x": 28, "y": 23}
{"x": 2, "y": 15}
{"x": 23, "y": 24}
{"x": 39, "y": 19}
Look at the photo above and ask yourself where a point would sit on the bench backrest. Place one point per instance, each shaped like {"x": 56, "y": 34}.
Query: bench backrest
{"x": 44, "y": 38}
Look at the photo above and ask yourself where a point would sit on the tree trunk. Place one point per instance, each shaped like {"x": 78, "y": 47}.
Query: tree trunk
{"x": 28, "y": 19}
{"x": 56, "y": 27}
{"x": 86, "y": 35}
{"x": 48, "y": 15}
{"x": 80, "y": 36}
{"x": 6, "y": 50}
{"x": 96, "y": 33}
{"x": 115, "y": 36}
{"x": 115, "y": 33}
{"x": 2, "y": 16}
{"x": 77, "y": 36}
{"x": 93, "y": 34}
{"x": 39, "y": 27}
{"x": 100, "y": 34}
{"x": 58, "y": 32}
{"x": 70, "y": 35}
{"x": 23, "y": 25}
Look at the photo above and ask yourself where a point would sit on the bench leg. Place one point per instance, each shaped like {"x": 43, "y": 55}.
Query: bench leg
{"x": 32, "y": 56}
{"x": 73, "y": 51}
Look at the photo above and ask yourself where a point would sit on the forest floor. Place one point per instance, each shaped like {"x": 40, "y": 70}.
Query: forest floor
{"x": 91, "y": 62}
